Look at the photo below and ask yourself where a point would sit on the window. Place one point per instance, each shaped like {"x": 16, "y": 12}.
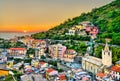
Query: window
{"x": 83, "y": 64}
{"x": 91, "y": 67}
{"x": 109, "y": 53}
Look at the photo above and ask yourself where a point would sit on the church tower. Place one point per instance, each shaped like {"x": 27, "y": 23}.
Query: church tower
{"x": 106, "y": 56}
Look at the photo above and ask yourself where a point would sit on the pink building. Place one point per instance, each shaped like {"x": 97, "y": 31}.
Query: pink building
{"x": 92, "y": 30}
{"x": 16, "y": 52}
{"x": 57, "y": 51}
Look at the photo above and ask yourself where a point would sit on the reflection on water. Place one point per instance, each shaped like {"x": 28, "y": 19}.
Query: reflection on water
{"x": 10, "y": 35}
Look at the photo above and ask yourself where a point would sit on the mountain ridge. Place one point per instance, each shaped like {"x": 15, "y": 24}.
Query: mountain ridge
{"x": 106, "y": 18}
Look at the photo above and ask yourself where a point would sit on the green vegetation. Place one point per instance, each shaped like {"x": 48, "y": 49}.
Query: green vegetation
{"x": 43, "y": 57}
{"x": 98, "y": 51}
{"x": 115, "y": 52}
{"x": 107, "y": 18}
{"x": 18, "y": 44}
{"x": 7, "y": 44}
{"x": 30, "y": 51}
{"x": 9, "y": 78}
{"x": 16, "y": 76}
{"x": 28, "y": 60}
{"x": 54, "y": 63}
{"x": 78, "y": 46}
{"x": 17, "y": 60}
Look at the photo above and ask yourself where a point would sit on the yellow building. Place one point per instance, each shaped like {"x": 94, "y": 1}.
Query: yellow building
{"x": 3, "y": 72}
{"x": 80, "y": 27}
{"x": 9, "y": 64}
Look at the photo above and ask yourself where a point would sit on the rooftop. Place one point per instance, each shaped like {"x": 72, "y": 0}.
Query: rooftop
{"x": 38, "y": 41}
{"x": 116, "y": 68}
{"x": 93, "y": 60}
{"x": 42, "y": 63}
{"x": 17, "y": 49}
{"x": 106, "y": 47}
{"x": 50, "y": 70}
{"x": 100, "y": 74}
{"x": 70, "y": 51}
{"x": 118, "y": 62}
{"x": 62, "y": 77}
{"x": 85, "y": 22}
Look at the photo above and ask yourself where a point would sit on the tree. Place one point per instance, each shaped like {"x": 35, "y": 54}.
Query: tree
{"x": 30, "y": 51}
{"x": 43, "y": 57}
{"x": 98, "y": 51}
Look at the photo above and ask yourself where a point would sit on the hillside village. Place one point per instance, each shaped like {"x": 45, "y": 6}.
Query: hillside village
{"x": 41, "y": 60}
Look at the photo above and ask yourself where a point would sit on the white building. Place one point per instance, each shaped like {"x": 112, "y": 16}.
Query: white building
{"x": 16, "y": 52}
{"x": 86, "y": 23}
{"x": 39, "y": 52}
{"x": 69, "y": 55}
{"x": 107, "y": 56}
{"x": 94, "y": 65}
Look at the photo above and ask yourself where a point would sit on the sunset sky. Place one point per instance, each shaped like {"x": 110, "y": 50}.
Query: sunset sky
{"x": 41, "y": 15}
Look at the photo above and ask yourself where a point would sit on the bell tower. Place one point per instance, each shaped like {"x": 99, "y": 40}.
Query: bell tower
{"x": 106, "y": 56}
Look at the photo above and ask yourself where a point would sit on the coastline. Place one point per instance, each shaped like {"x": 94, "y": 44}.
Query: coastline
{"x": 9, "y": 35}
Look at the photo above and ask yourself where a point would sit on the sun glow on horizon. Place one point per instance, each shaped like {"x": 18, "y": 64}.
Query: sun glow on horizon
{"x": 41, "y": 15}
{"x": 24, "y": 31}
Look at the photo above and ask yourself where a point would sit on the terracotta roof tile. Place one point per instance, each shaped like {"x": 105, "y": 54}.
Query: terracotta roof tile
{"x": 42, "y": 63}
{"x": 50, "y": 70}
{"x": 62, "y": 77}
{"x": 17, "y": 49}
{"x": 100, "y": 74}
{"x": 116, "y": 68}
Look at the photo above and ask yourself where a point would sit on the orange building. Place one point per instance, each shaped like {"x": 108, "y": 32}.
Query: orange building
{"x": 3, "y": 72}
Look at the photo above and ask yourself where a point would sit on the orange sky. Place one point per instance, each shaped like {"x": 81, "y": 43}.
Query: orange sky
{"x": 41, "y": 15}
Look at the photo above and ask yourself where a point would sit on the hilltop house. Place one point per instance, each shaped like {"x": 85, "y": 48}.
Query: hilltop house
{"x": 72, "y": 31}
{"x": 81, "y": 29}
{"x": 86, "y": 23}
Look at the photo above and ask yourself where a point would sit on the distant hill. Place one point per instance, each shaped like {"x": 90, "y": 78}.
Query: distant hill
{"x": 106, "y": 18}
